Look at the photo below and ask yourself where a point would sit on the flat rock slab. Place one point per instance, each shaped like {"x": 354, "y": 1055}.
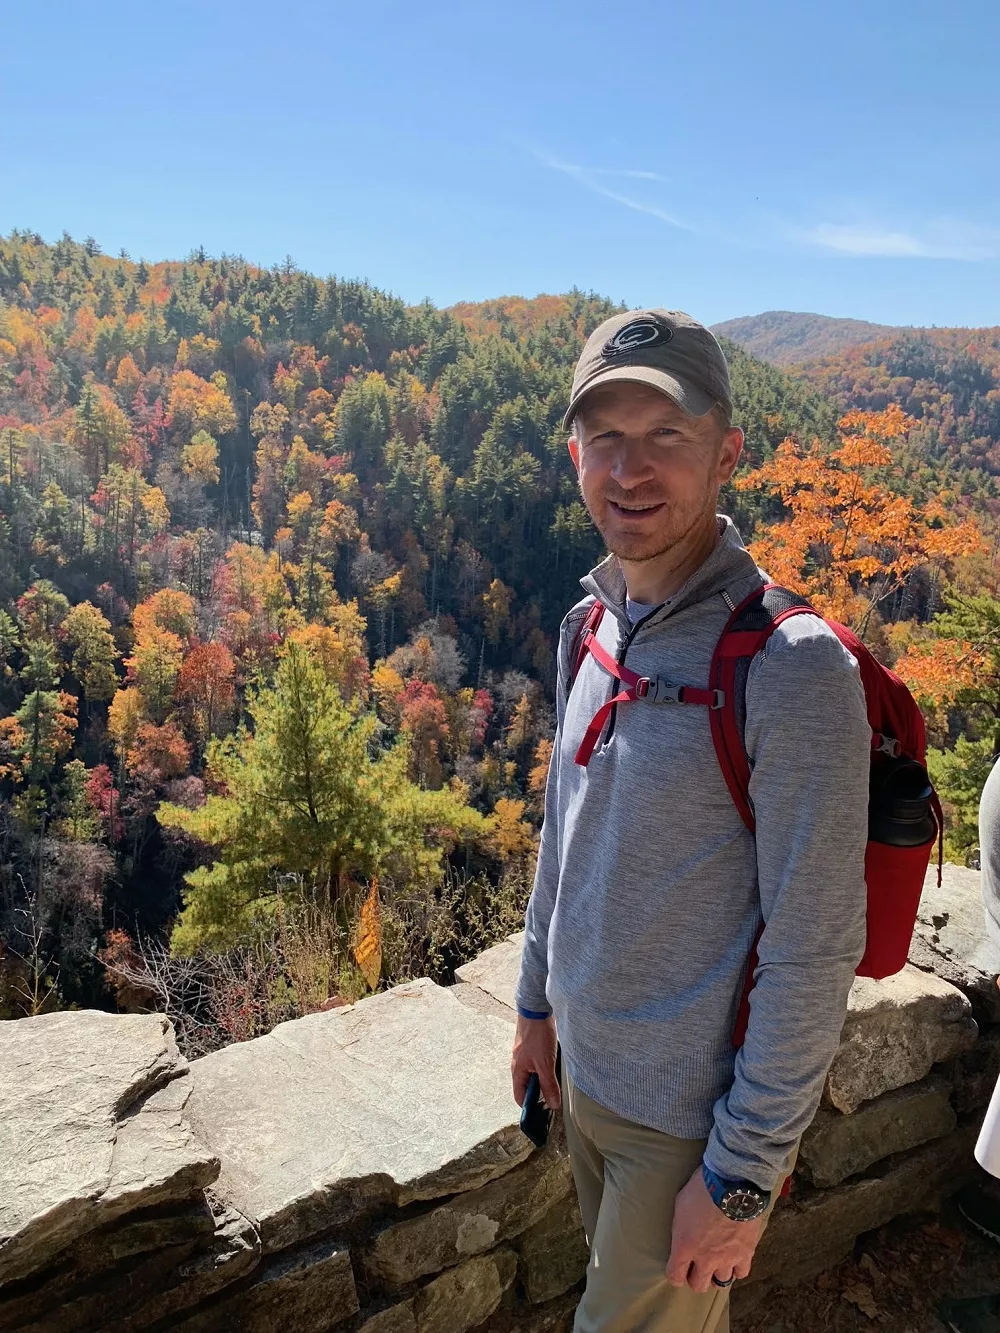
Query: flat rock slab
{"x": 894, "y": 1032}
{"x": 227, "y": 1255}
{"x": 309, "y": 1291}
{"x": 396, "y": 1319}
{"x": 90, "y": 1128}
{"x": 463, "y": 1297}
{"x": 496, "y": 971}
{"x": 554, "y": 1252}
{"x": 950, "y": 939}
{"x": 816, "y": 1228}
{"x": 108, "y": 1272}
{"x": 836, "y": 1146}
{"x": 471, "y": 1223}
{"x": 400, "y": 1097}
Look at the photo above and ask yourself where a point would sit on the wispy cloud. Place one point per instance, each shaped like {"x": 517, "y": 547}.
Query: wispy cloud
{"x": 941, "y": 238}
{"x": 592, "y": 178}
{"x": 615, "y": 171}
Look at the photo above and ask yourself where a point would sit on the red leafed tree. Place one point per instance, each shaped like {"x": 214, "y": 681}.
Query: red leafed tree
{"x": 205, "y": 685}
{"x": 105, "y": 801}
{"x": 425, "y": 720}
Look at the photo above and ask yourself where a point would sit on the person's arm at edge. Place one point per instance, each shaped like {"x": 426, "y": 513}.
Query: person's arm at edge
{"x": 989, "y": 852}
{"x": 808, "y": 736}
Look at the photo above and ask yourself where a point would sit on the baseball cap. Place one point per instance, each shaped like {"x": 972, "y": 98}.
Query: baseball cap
{"x": 665, "y": 349}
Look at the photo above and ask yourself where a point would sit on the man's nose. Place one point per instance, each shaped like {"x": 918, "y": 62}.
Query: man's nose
{"x": 631, "y": 465}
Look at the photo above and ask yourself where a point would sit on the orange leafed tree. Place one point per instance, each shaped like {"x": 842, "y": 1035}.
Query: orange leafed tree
{"x": 848, "y": 540}
{"x": 205, "y": 683}
{"x": 940, "y": 670}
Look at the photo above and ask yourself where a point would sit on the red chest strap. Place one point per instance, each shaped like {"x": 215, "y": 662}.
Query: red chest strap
{"x": 651, "y": 688}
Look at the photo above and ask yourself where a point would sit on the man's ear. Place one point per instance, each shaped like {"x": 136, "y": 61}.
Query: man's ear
{"x": 574, "y": 451}
{"x": 729, "y": 454}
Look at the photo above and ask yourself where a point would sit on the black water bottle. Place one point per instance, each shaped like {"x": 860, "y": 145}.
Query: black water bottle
{"x": 900, "y": 803}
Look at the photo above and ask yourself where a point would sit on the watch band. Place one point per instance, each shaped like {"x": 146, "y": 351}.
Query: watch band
{"x": 740, "y": 1200}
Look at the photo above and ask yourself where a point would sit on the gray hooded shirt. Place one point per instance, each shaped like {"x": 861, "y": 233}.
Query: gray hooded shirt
{"x": 650, "y": 890}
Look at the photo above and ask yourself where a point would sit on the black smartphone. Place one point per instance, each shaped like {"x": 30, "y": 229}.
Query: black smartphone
{"x": 536, "y": 1117}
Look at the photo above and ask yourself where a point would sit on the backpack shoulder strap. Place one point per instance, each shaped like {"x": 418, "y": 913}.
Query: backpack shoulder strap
{"x": 578, "y": 648}
{"x": 749, "y": 627}
{"x": 747, "y": 631}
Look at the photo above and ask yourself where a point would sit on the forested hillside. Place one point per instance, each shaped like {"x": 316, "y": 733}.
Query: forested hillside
{"x": 947, "y": 379}
{"x": 787, "y": 337}
{"x": 282, "y": 563}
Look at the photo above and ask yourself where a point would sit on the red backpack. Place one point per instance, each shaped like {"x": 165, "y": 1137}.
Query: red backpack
{"x": 903, "y": 806}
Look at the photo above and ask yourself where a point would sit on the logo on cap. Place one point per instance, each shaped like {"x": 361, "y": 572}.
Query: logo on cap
{"x": 639, "y": 333}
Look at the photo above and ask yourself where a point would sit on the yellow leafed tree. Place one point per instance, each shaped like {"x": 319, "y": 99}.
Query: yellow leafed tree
{"x": 368, "y": 950}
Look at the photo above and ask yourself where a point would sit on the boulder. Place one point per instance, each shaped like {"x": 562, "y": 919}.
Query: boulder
{"x": 311, "y": 1289}
{"x": 231, "y": 1252}
{"x": 108, "y": 1272}
{"x": 496, "y": 971}
{"x": 465, "y": 1296}
{"x": 554, "y": 1252}
{"x": 553, "y": 1317}
{"x": 484, "y": 1004}
{"x": 470, "y": 1223}
{"x": 90, "y": 1129}
{"x": 93, "y": 1307}
{"x": 816, "y": 1228}
{"x": 836, "y": 1146}
{"x": 950, "y": 939}
{"x": 401, "y": 1097}
{"x": 397, "y": 1319}
{"x": 973, "y": 1074}
{"x": 894, "y": 1032}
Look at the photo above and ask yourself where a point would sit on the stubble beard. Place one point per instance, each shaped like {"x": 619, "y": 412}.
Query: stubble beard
{"x": 676, "y": 525}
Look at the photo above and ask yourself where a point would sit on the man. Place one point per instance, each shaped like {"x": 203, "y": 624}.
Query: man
{"x": 650, "y": 890}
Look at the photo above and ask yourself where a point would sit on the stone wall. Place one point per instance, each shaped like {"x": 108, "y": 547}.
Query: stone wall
{"x": 362, "y": 1170}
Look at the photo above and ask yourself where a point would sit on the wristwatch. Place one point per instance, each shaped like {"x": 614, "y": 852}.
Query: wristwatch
{"x": 740, "y": 1200}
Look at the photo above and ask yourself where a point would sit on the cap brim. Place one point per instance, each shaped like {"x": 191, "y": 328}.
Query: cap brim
{"x": 695, "y": 402}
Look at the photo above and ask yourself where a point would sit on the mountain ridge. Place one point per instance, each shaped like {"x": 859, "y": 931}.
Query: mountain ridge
{"x": 789, "y": 337}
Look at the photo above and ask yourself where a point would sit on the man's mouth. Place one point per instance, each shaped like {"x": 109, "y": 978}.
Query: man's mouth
{"x": 634, "y": 510}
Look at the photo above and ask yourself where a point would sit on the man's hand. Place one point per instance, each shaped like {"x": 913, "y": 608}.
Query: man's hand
{"x": 535, "y": 1053}
{"x": 705, "y": 1243}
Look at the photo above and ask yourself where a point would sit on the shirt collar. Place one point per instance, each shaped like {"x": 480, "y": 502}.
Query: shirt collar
{"x": 728, "y": 564}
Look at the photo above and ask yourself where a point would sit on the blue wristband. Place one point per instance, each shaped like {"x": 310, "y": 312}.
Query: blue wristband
{"x": 531, "y": 1013}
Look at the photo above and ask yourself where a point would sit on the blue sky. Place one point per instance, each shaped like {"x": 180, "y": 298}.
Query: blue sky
{"x": 724, "y": 157}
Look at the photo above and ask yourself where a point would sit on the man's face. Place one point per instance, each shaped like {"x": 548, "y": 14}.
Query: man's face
{"x": 649, "y": 473}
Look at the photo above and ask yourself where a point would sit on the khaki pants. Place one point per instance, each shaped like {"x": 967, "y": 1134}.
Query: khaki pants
{"x": 627, "y": 1178}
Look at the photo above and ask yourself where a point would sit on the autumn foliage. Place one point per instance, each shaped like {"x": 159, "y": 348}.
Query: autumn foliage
{"x": 282, "y": 568}
{"x": 848, "y": 540}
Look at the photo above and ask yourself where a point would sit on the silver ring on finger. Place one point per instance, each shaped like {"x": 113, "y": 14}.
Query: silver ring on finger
{"x": 728, "y": 1283}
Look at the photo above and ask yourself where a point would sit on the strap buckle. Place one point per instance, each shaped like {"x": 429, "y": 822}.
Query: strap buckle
{"x": 656, "y": 690}
{"x": 886, "y": 745}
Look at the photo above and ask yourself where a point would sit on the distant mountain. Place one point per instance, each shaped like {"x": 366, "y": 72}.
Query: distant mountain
{"x": 786, "y": 337}
{"x": 949, "y": 379}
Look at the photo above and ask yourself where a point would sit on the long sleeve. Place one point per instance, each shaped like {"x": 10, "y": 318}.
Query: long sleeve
{"x": 530, "y": 991}
{"x": 809, "y": 744}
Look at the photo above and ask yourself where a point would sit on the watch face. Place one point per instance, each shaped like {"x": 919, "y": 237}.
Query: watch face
{"x": 743, "y": 1205}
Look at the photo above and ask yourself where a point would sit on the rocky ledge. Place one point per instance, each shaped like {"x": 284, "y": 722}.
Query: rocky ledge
{"x": 362, "y": 1170}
